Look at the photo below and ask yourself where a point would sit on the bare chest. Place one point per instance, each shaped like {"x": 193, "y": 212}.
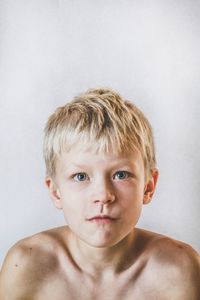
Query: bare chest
{"x": 80, "y": 289}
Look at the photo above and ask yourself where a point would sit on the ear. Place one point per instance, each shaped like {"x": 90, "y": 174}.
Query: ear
{"x": 150, "y": 186}
{"x": 54, "y": 192}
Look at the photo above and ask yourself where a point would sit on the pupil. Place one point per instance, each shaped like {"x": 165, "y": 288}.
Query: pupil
{"x": 121, "y": 175}
{"x": 81, "y": 176}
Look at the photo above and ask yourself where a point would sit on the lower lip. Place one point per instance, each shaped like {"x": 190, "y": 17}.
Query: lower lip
{"x": 102, "y": 220}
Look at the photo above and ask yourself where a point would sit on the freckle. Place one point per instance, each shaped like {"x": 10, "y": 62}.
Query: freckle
{"x": 16, "y": 265}
{"x": 30, "y": 250}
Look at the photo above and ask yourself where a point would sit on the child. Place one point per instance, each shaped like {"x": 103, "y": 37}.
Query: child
{"x": 101, "y": 169}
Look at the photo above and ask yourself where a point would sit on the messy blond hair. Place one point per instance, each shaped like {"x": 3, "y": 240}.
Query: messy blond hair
{"x": 102, "y": 120}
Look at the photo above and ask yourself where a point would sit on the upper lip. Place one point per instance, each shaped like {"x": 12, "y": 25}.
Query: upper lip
{"x": 101, "y": 217}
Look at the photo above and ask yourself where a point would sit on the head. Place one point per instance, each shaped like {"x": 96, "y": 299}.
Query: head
{"x": 103, "y": 121}
{"x": 100, "y": 159}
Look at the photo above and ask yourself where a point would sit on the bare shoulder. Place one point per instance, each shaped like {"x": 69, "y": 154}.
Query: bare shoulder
{"x": 176, "y": 265}
{"x": 166, "y": 250}
{"x": 28, "y": 264}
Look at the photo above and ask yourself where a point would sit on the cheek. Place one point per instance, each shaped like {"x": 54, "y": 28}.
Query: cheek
{"x": 73, "y": 213}
{"x": 130, "y": 195}
{"x": 74, "y": 199}
{"x": 70, "y": 193}
{"x": 70, "y": 202}
{"x": 72, "y": 205}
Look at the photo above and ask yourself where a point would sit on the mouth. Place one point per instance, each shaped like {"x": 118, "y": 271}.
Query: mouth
{"x": 102, "y": 219}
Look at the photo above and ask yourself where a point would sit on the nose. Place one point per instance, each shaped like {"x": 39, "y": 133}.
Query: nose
{"x": 103, "y": 193}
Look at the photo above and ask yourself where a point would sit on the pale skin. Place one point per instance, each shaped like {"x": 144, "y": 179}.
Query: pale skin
{"x": 100, "y": 258}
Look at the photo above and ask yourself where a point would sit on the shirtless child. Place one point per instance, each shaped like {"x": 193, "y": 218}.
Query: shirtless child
{"x": 101, "y": 169}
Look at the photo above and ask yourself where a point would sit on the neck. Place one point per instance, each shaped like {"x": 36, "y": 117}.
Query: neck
{"x": 98, "y": 262}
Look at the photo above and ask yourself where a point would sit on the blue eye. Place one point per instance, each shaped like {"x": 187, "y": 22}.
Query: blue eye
{"x": 80, "y": 177}
{"x": 121, "y": 175}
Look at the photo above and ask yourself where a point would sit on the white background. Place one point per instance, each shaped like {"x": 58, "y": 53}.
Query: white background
{"x": 53, "y": 50}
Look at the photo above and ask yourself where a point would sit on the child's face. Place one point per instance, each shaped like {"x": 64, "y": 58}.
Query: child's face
{"x": 90, "y": 185}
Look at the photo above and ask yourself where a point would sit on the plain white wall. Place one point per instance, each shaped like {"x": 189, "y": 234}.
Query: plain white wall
{"x": 52, "y": 50}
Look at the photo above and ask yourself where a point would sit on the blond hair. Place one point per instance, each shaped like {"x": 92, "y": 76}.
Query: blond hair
{"x": 102, "y": 120}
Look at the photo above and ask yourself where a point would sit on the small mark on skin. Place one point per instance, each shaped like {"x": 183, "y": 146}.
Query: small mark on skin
{"x": 16, "y": 265}
{"x": 30, "y": 250}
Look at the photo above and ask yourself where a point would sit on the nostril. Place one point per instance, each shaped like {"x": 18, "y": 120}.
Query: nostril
{"x": 106, "y": 199}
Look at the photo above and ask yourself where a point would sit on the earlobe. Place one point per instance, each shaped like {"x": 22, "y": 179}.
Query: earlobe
{"x": 150, "y": 187}
{"x": 54, "y": 192}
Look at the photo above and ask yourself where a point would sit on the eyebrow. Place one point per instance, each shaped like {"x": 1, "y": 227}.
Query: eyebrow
{"x": 120, "y": 164}
{"x": 78, "y": 166}
{"x": 73, "y": 166}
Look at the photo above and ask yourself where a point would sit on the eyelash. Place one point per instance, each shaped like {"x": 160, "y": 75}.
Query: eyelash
{"x": 81, "y": 173}
{"x": 126, "y": 173}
